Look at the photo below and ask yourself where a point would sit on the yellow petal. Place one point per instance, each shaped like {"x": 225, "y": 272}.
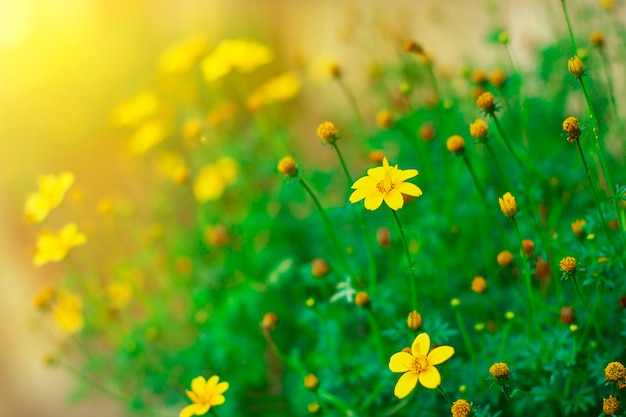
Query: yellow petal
{"x": 440, "y": 354}
{"x": 211, "y": 383}
{"x": 376, "y": 174}
{"x": 400, "y": 362}
{"x": 189, "y": 411}
{"x": 405, "y": 384}
{"x": 360, "y": 194}
{"x": 408, "y": 188}
{"x": 394, "y": 199}
{"x": 421, "y": 345}
{"x": 221, "y": 388}
{"x": 217, "y": 400}
{"x": 192, "y": 396}
{"x": 198, "y": 386}
{"x": 430, "y": 377}
{"x": 385, "y": 162}
{"x": 364, "y": 182}
{"x": 373, "y": 201}
{"x": 405, "y": 174}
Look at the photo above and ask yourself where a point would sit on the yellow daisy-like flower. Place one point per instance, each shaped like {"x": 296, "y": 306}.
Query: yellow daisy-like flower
{"x": 135, "y": 110}
{"x": 385, "y": 183}
{"x": 52, "y": 189}
{"x": 213, "y": 179}
{"x": 55, "y": 247}
{"x": 508, "y": 206}
{"x": 204, "y": 394}
{"x": 419, "y": 365}
{"x": 68, "y": 312}
{"x": 181, "y": 57}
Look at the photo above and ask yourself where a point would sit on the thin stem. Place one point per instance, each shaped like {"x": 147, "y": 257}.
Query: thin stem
{"x": 414, "y": 303}
{"x": 351, "y": 99}
{"x": 363, "y": 223}
{"x": 609, "y": 83}
{"x": 569, "y": 27}
{"x": 605, "y": 170}
{"x": 507, "y": 143}
{"x": 466, "y": 338}
{"x": 591, "y": 317}
{"x": 498, "y": 167}
{"x": 376, "y": 333}
{"x": 327, "y": 224}
{"x": 593, "y": 190}
{"x": 445, "y": 395}
{"x": 527, "y": 278}
{"x": 433, "y": 79}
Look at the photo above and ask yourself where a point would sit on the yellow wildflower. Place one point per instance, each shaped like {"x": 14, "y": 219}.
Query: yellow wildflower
{"x": 616, "y": 372}
{"x": 362, "y": 299}
{"x": 55, "y": 247}
{"x": 384, "y": 119}
{"x": 597, "y": 38}
{"x": 577, "y": 227}
{"x": 460, "y": 408}
{"x": 478, "y": 129}
{"x": 119, "y": 294}
{"x": 287, "y": 166}
{"x": 572, "y": 128}
{"x": 528, "y": 246}
{"x": 135, "y": 110}
{"x": 222, "y": 112}
{"x": 414, "y": 321}
{"x": 427, "y": 132}
{"x": 486, "y": 102}
{"x": 311, "y": 382}
{"x": 52, "y": 189}
{"x": 68, "y": 312}
{"x": 313, "y": 407}
{"x": 241, "y": 54}
{"x": 455, "y": 144}
{"x": 479, "y": 284}
{"x": 319, "y": 267}
{"x": 610, "y": 406}
{"x": 213, "y": 179}
{"x": 278, "y": 89}
{"x": 508, "y": 205}
{"x": 504, "y": 258}
{"x": 500, "y": 371}
{"x": 327, "y": 132}
{"x": 497, "y": 77}
{"x": 181, "y": 57}
{"x": 204, "y": 394}
{"x": 478, "y": 76}
{"x": 147, "y": 136}
{"x": 385, "y": 183}
{"x": 576, "y": 67}
{"x": 44, "y": 297}
{"x": 568, "y": 265}
{"x": 419, "y": 365}
{"x": 269, "y": 321}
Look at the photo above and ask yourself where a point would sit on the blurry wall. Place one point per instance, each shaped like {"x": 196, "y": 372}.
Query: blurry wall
{"x": 65, "y": 63}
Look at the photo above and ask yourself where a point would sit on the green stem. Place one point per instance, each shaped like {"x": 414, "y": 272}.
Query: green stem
{"x": 414, "y": 303}
{"x": 507, "y": 143}
{"x": 366, "y": 232}
{"x": 609, "y": 83}
{"x": 466, "y": 338}
{"x": 337, "y": 402}
{"x": 433, "y": 78}
{"x": 327, "y": 224}
{"x": 445, "y": 394}
{"x": 569, "y": 27}
{"x": 591, "y": 316}
{"x": 605, "y": 169}
{"x": 375, "y": 392}
{"x": 376, "y": 334}
{"x": 498, "y": 167}
{"x": 351, "y": 99}
{"x": 527, "y": 279}
{"x": 593, "y": 190}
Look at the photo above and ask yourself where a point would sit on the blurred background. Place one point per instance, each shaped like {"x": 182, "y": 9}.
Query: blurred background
{"x": 66, "y": 63}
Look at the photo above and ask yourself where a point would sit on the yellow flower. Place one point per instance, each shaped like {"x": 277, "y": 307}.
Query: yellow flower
{"x": 486, "y": 102}
{"x": 119, "y": 294}
{"x": 479, "y": 284}
{"x": 577, "y": 227}
{"x": 241, "y": 54}
{"x": 278, "y": 89}
{"x": 287, "y": 166}
{"x": 147, "y": 136}
{"x": 362, "y": 299}
{"x": 311, "y": 382}
{"x": 478, "y": 129}
{"x": 385, "y": 183}
{"x": 610, "y": 406}
{"x": 135, "y": 110}
{"x": 497, "y": 77}
{"x": 68, "y": 312}
{"x": 576, "y": 67}
{"x": 504, "y": 258}
{"x": 419, "y": 365}
{"x": 327, "y": 132}
{"x": 460, "y": 408}
{"x": 181, "y": 57}
{"x": 572, "y": 128}
{"x": 213, "y": 179}
{"x": 456, "y": 144}
{"x": 204, "y": 394}
{"x": 223, "y": 111}
{"x": 52, "y": 189}
{"x": 508, "y": 205}
{"x": 500, "y": 371}
{"x": 616, "y": 372}
{"x": 568, "y": 265}
{"x": 384, "y": 119}
{"x": 54, "y": 248}
{"x": 414, "y": 320}
{"x": 597, "y": 38}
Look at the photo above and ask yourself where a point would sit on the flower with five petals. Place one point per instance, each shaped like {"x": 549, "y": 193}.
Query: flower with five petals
{"x": 204, "y": 394}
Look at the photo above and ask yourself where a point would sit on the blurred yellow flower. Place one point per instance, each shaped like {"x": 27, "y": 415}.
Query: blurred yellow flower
{"x": 508, "y": 206}
{"x": 52, "y": 189}
{"x": 119, "y": 294}
{"x": 223, "y": 111}
{"x": 385, "y": 183}
{"x": 419, "y": 365}
{"x": 241, "y": 54}
{"x": 68, "y": 312}
{"x": 278, "y": 89}
{"x": 213, "y": 179}
{"x": 204, "y": 394}
{"x": 147, "y": 136}
{"x": 54, "y": 248}
{"x": 135, "y": 110}
{"x": 181, "y": 57}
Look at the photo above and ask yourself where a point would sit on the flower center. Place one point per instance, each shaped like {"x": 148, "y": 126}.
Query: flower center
{"x": 419, "y": 364}
{"x": 385, "y": 185}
